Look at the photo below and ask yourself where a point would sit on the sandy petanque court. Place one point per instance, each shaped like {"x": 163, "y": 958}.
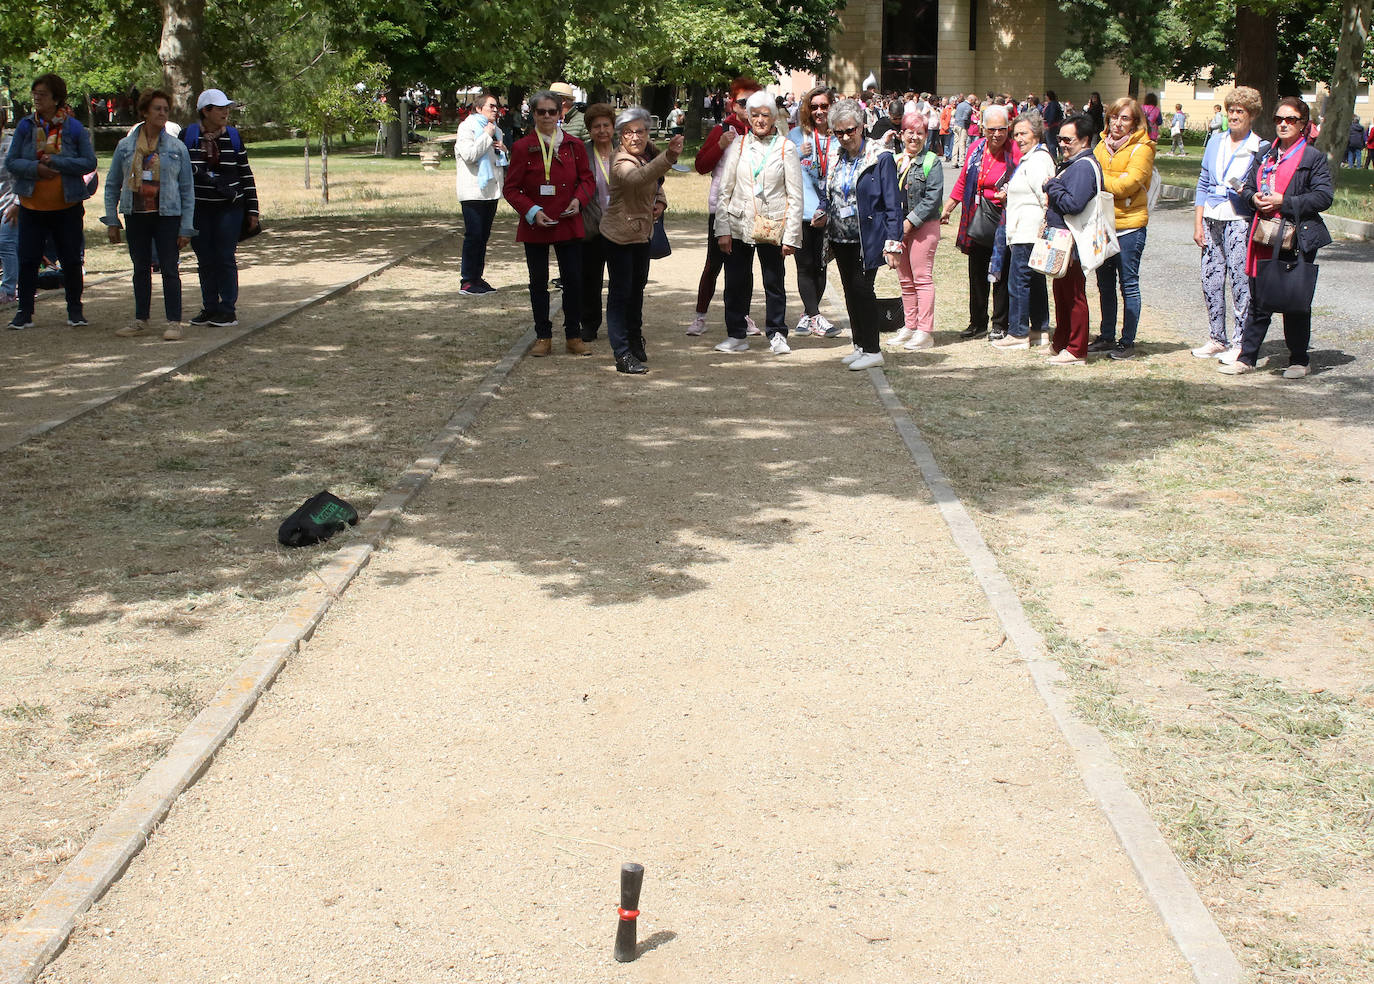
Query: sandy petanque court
{"x": 711, "y": 621}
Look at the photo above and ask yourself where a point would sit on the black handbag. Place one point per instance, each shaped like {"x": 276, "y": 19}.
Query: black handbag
{"x": 982, "y": 227}
{"x": 317, "y": 519}
{"x": 891, "y": 314}
{"x": 659, "y": 247}
{"x": 1286, "y": 283}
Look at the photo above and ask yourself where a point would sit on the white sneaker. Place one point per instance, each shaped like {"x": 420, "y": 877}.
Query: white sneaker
{"x": 867, "y": 360}
{"x": 1044, "y": 340}
{"x": 749, "y": 327}
{"x": 1295, "y": 372}
{"x": 920, "y": 341}
{"x": 903, "y": 336}
{"x": 855, "y": 354}
{"x": 733, "y": 345}
{"x": 1228, "y": 358}
{"x": 133, "y": 330}
{"x": 1210, "y": 350}
{"x": 821, "y": 326}
{"x": 803, "y": 326}
{"x": 698, "y": 325}
{"x": 778, "y": 344}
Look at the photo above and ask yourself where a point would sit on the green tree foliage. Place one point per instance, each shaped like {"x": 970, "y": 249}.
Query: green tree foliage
{"x": 336, "y": 93}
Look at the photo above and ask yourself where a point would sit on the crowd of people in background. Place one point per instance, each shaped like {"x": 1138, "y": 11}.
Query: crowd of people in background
{"x": 1046, "y": 193}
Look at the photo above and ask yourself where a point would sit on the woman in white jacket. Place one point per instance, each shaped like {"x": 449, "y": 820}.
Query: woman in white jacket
{"x": 1028, "y": 302}
{"x": 481, "y": 154}
{"x": 759, "y": 210}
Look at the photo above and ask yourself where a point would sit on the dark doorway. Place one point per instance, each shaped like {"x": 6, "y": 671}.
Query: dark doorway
{"x": 911, "y": 35}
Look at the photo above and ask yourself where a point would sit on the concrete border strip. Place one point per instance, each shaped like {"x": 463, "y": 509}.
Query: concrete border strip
{"x": 40, "y": 935}
{"x": 1165, "y": 882}
{"x": 151, "y": 376}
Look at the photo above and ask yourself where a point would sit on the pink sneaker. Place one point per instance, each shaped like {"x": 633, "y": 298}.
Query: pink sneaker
{"x": 698, "y": 325}
{"x": 749, "y": 327}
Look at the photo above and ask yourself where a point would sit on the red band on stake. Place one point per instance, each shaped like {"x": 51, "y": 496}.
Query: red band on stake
{"x": 628, "y": 915}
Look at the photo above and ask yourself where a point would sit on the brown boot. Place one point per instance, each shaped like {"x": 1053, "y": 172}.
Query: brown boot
{"x": 578, "y": 347}
{"x": 542, "y": 347}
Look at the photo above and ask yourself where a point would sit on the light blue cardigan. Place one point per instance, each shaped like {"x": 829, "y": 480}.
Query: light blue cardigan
{"x": 1207, "y": 177}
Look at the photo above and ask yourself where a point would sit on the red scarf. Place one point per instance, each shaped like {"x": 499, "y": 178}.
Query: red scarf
{"x": 1275, "y": 172}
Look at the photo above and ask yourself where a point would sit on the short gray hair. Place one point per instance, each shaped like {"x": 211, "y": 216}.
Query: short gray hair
{"x": 762, "y": 100}
{"x": 633, "y": 114}
{"x": 546, "y": 95}
{"x": 997, "y": 110}
{"x": 1035, "y": 121}
{"x": 846, "y": 109}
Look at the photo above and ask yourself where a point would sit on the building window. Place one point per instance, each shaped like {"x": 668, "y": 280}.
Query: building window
{"x": 1362, "y": 92}
{"x": 1202, "y": 89}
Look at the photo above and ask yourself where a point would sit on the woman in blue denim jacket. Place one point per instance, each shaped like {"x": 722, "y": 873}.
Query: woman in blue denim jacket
{"x": 150, "y": 183}
{"x": 48, "y": 160}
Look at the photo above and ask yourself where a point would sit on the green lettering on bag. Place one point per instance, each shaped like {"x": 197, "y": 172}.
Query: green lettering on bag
{"x": 331, "y": 513}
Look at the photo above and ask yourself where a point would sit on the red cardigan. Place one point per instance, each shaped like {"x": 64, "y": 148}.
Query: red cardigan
{"x": 571, "y": 177}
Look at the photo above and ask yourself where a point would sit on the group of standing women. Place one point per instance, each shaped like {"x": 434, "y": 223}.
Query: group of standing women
{"x": 170, "y": 191}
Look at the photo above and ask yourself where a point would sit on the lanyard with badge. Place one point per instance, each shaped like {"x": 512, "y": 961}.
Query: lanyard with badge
{"x": 1272, "y": 164}
{"x": 148, "y": 166}
{"x": 848, "y": 209}
{"x": 823, "y": 153}
{"x": 763, "y": 162}
{"x": 546, "y": 151}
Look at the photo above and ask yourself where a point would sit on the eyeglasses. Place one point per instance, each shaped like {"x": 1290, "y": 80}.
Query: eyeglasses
{"x": 819, "y": 107}
{"x": 546, "y": 112}
{"x": 1289, "y": 120}
{"x": 844, "y": 133}
{"x": 996, "y": 129}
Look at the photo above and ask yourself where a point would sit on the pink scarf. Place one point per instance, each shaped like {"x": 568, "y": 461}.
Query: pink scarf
{"x": 1276, "y": 170}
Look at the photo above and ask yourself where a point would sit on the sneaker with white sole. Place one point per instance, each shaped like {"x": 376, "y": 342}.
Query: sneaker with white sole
{"x": 820, "y": 325}
{"x": 749, "y": 327}
{"x": 1229, "y": 356}
{"x": 1211, "y": 350}
{"x": 867, "y": 360}
{"x": 1236, "y": 368}
{"x": 920, "y": 341}
{"x": 903, "y": 336}
{"x": 133, "y": 330}
{"x": 1296, "y": 372}
{"x": 172, "y": 333}
{"x": 201, "y": 319}
{"x": 856, "y": 353}
{"x": 224, "y": 321}
{"x": 698, "y": 325}
{"x": 733, "y": 345}
{"x": 20, "y": 322}
{"x": 778, "y": 344}
{"x": 803, "y": 326}
{"x": 1008, "y": 342}
{"x": 77, "y": 320}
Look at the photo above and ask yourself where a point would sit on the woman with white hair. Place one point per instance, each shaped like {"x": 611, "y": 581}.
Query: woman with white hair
{"x": 864, "y": 224}
{"x": 626, "y": 226}
{"x": 761, "y": 202}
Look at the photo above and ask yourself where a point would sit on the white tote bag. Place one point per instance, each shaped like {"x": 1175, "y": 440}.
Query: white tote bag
{"x": 1094, "y": 228}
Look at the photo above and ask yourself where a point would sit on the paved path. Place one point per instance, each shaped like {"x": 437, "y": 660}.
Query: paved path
{"x": 710, "y": 621}
{"x": 49, "y": 372}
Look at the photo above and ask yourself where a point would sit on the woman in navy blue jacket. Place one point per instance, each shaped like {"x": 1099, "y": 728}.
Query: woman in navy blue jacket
{"x": 863, "y": 223}
{"x": 49, "y": 158}
{"x": 1068, "y": 193}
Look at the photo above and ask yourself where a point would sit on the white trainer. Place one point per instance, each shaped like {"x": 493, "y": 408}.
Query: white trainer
{"x": 733, "y": 345}
{"x": 855, "y": 354}
{"x": 820, "y": 325}
{"x": 920, "y": 341}
{"x": 803, "y": 326}
{"x": 1228, "y": 358}
{"x": 867, "y": 360}
{"x": 903, "y": 336}
{"x": 749, "y": 327}
{"x": 778, "y": 344}
{"x": 698, "y": 325}
{"x": 1211, "y": 350}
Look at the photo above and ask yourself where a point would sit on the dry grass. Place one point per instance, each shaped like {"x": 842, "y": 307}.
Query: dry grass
{"x": 1196, "y": 556}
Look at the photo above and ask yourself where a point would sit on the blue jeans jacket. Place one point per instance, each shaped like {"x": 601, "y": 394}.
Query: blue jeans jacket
{"x": 176, "y": 191}
{"x": 73, "y": 162}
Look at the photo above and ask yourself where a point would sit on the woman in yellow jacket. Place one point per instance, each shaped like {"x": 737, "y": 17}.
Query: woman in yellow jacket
{"x": 1127, "y": 156}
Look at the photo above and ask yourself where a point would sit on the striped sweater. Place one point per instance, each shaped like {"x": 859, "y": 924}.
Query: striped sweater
{"x": 228, "y": 182}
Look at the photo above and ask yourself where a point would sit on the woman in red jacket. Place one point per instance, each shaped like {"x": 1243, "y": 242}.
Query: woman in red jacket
{"x": 548, "y": 183}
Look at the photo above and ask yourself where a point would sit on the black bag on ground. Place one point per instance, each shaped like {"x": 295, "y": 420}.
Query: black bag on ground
{"x": 891, "y": 315}
{"x": 318, "y": 518}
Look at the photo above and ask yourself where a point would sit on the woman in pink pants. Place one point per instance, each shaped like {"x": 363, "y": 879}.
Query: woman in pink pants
{"x": 921, "y": 181}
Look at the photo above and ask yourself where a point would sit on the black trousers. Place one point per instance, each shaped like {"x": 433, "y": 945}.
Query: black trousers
{"x": 144, "y": 230}
{"x": 979, "y": 259}
{"x": 1297, "y": 330}
{"x": 739, "y": 287}
{"x": 859, "y": 300}
{"x": 569, "y": 253}
{"x": 593, "y": 280}
{"x": 64, "y": 226}
{"x": 811, "y": 269}
{"x": 627, "y": 268}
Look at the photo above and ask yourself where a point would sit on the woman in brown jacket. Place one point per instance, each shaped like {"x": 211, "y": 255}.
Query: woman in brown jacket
{"x": 636, "y": 199}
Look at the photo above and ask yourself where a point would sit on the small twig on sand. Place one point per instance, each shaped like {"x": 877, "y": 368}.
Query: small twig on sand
{"x": 1008, "y": 782}
{"x": 872, "y": 939}
{"x": 579, "y": 840}
{"x": 1000, "y": 643}
{"x": 1268, "y": 737}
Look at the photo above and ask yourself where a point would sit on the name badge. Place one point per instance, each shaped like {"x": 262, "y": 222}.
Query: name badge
{"x": 548, "y": 190}
{"x": 846, "y": 212}
{"x": 147, "y": 175}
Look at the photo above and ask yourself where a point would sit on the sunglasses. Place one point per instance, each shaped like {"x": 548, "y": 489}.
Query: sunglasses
{"x": 1066, "y": 140}
{"x": 817, "y": 107}
{"x": 996, "y": 129}
{"x": 546, "y": 112}
{"x": 844, "y": 133}
{"x": 1290, "y": 120}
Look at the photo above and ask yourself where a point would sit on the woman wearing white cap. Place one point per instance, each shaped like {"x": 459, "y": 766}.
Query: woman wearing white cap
{"x": 226, "y": 201}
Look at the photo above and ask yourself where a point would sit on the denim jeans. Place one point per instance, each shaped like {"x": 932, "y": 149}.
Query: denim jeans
{"x": 9, "y": 257}
{"x": 64, "y": 225}
{"x": 478, "y": 217}
{"x": 1028, "y": 300}
{"x": 215, "y": 242}
{"x": 627, "y": 271}
{"x": 1125, "y": 266}
{"x": 144, "y": 230}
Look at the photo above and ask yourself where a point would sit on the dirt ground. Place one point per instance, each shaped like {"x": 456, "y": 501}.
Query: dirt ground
{"x": 709, "y": 620}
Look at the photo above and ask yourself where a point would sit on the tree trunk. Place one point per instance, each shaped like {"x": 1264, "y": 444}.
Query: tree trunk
{"x": 324, "y": 168}
{"x": 1257, "y": 61}
{"x": 1133, "y": 87}
{"x": 1345, "y": 74}
{"x": 305, "y": 139}
{"x": 180, "y": 54}
{"x": 398, "y": 130}
{"x": 696, "y": 95}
